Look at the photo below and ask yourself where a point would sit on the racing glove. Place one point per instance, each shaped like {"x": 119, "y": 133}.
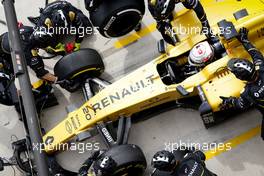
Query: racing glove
{"x": 200, "y": 154}
{"x": 37, "y": 65}
{"x": 228, "y": 102}
{"x": 70, "y": 86}
{"x": 243, "y": 35}
{"x": 83, "y": 171}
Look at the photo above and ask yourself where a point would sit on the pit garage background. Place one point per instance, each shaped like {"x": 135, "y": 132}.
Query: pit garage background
{"x": 121, "y": 56}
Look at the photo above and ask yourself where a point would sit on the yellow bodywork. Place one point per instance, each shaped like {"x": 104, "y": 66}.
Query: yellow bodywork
{"x": 143, "y": 88}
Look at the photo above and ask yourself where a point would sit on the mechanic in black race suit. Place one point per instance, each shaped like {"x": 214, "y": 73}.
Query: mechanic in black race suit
{"x": 181, "y": 162}
{"x": 253, "y": 74}
{"x": 30, "y": 43}
{"x": 162, "y": 12}
{"x": 61, "y": 16}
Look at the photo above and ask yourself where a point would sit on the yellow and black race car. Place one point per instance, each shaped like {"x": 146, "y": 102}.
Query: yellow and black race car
{"x": 162, "y": 80}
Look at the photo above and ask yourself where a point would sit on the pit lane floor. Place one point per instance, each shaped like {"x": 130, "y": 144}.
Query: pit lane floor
{"x": 171, "y": 127}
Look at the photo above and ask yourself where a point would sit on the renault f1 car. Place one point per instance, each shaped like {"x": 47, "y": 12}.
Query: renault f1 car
{"x": 165, "y": 79}
{"x": 162, "y": 80}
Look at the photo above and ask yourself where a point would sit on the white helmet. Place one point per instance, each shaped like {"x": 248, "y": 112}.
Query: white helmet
{"x": 201, "y": 54}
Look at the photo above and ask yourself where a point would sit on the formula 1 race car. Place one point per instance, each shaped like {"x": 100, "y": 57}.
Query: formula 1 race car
{"x": 168, "y": 78}
{"x": 164, "y": 79}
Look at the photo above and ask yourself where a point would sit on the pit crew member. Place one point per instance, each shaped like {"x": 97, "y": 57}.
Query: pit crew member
{"x": 42, "y": 91}
{"x": 253, "y": 74}
{"x": 59, "y": 16}
{"x": 31, "y": 42}
{"x": 162, "y": 12}
{"x": 180, "y": 162}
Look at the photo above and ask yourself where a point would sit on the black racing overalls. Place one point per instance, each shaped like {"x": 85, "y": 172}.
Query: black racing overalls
{"x": 191, "y": 162}
{"x": 29, "y": 46}
{"x": 192, "y": 165}
{"x": 189, "y": 4}
{"x": 75, "y": 18}
{"x": 254, "y": 91}
{"x": 8, "y": 91}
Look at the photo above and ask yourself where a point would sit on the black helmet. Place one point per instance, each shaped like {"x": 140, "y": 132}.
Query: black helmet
{"x": 161, "y": 9}
{"x": 5, "y": 44}
{"x": 105, "y": 166}
{"x": 24, "y": 31}
{"x": 242, "y": 68}
{"x": 59, "y": 19}
{"x": 164, "y": 161}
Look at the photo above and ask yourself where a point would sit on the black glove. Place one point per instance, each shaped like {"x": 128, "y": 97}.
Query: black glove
{"x": 70, "y": 86}
{"x": 83, "y": 171}
{"x": 95, "y": 155}
{"x": 200, "y": 154}
{"x": 243, "y": 35}
{"x": 228, "y": 102}
{"x": 166, "y": 30}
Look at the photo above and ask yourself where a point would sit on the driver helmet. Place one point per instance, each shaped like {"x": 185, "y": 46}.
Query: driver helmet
{"x": 201, "y": 54}
{"x": 105, "y": 166}
{"x": 59, "y": 19}
{"x": 161, "y": 9}
{"x": 164, "y": 161}
{"x": 243, "y": 69}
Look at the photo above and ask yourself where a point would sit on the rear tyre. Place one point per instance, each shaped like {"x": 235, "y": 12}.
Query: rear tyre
{"x": 116, "y": 18}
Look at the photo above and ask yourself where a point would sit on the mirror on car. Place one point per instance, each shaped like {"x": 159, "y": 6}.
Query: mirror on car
{"x": 162, "y": 46}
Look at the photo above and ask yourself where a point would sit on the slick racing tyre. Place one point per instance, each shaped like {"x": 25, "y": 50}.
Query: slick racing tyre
{"x": 130, "y": 160}
{"x": 77, "y": 67}
{"x": 115, "y": 18}
{"x": 80, "y": 64}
